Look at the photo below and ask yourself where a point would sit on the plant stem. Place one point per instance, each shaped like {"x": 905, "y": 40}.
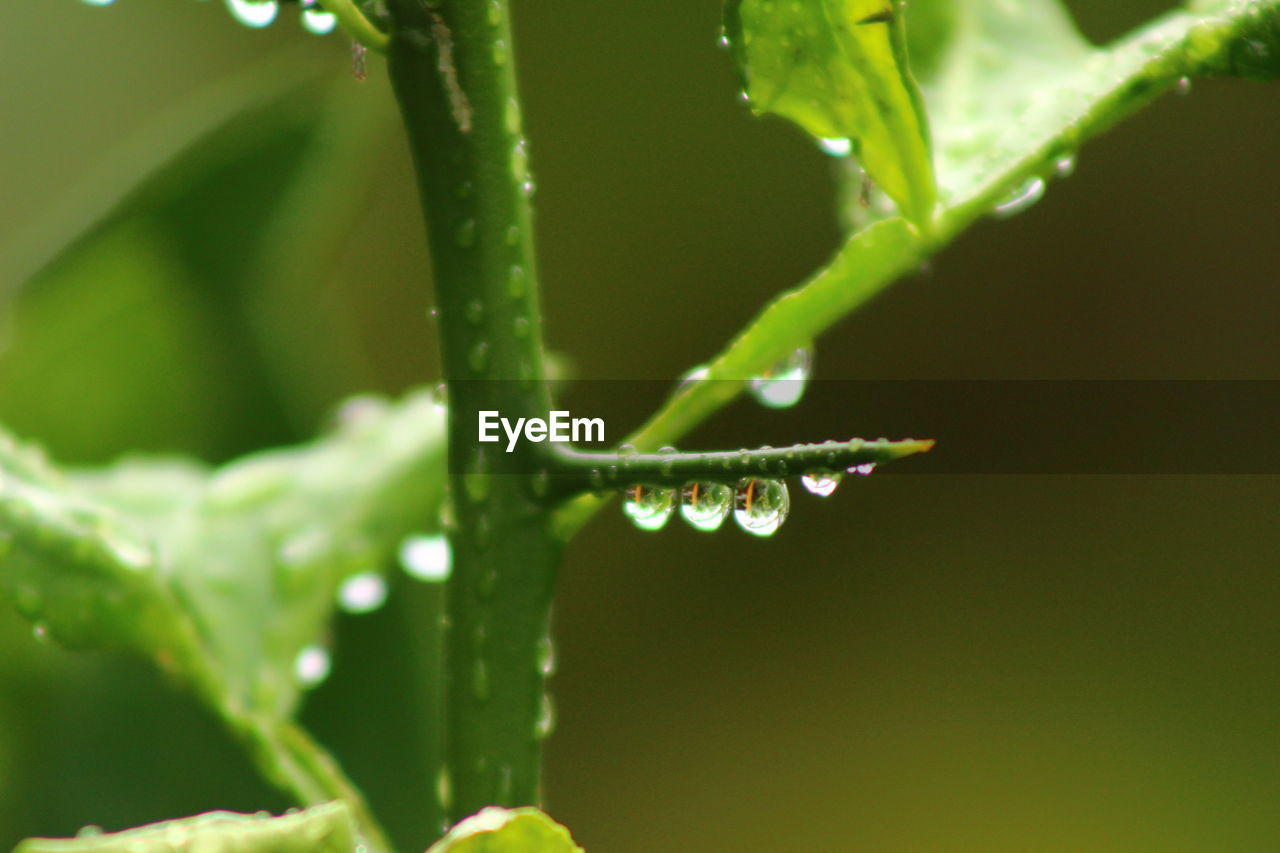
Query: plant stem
{"x": 576, "y": 471}
{"x": 451, "y": 68}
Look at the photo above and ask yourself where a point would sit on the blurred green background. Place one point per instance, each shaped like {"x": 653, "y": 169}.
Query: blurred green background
{"x": 921, "y": 663}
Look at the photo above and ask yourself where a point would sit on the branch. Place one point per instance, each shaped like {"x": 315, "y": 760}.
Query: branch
{"x": 577, "y": 471}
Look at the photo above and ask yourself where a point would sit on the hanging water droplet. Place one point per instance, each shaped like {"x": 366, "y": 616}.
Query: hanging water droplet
{"x": 318, "y": 21}
{"x": 668, "y": 463}
{"x": 311, "y": 666}
{"x": 427, "y": 558}
{"x": 649, "y": 507}
{"x": 783, "y": 384}
{"x": 706, "y": 505}
{"x": 362, "y": 593}
{"x": 1065, "y": 166}
{"x": 761, "y": 506}
{"x": 836, "y": 147}
{"x": 546, "y": 722}
{"x": 1022, "y": 198}
{"x": 254, "y": 13}
{"x": 440, "y": 395}
{"x": 821, "y": 483}
{"x": 864, "y": 469}
{"x": 1184, "y": 86}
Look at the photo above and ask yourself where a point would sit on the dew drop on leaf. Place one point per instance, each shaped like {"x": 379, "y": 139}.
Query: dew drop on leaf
{"x": 427, "y": 558}
{"x": 99, "y": 2}
{"x": 254, "y": 13}
{"x": 863, "y": 470}
{"x": 362, "y": 593}
{"x": 761, "y": 506}
{"x": 649, "y": 507}
{"x": 783, "y": 384}
{"x": 311, "y": 666}
{"x": 706, "y": 505}
{"x": 821, "y": 483}
{"x": 1065, "y": 166}
{"x": 1022, "y": 198}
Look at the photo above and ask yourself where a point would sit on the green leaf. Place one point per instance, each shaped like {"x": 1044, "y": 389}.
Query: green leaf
{"x": 838, "y": 68}
{"x": 497, "y": 830}
{"x": 322, "y": 829}
{"x": 224, "y": 578}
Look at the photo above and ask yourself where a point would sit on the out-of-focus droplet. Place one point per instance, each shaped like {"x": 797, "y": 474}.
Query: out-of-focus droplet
{"x": 821, "y": 483}
{"x": 427, "y": 558}
{"x": 783, "y": 384}
{"x": 362, "y": 593}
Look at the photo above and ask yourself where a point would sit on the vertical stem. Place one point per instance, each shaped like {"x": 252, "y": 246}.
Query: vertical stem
{"x": 450, "y": 64}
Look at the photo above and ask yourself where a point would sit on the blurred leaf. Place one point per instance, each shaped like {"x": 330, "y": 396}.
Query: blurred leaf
{"x": 838, "y": 69}
{"x": 322, "y": 829}
{"x": 496, "y": 830}
{"x": 226, "y": 579}
{"x": 202, "y": 290}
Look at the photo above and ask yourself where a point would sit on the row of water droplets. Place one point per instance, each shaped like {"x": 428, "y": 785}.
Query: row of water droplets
{"x": 261, "y": 13}
{"x": 759, "y": 506}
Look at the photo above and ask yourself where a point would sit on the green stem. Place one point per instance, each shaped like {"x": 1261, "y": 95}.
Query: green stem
{"x": 577, "y": 471}
{"x": 451, "y": 68}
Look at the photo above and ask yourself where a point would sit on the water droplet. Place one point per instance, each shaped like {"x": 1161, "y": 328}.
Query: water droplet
{"x": 440, "y": 395}
{"x": 649, "y": 507}
{"x": 480, "y": 681}
{"x": 1022, "y": 198}
{"x": 520, "y": 327}
{"x": 362, "y": 593}
{"x": 513, "y": 235}
{"x": 427, "y": 558}
{"x": 864, "y": 469}
{"x": 546, "y": 657}
{"x": 1065, "y": 166}
{"x": 311, "y": 666}
{"x": 1184, "y": 86}
{"x": 706, "y": 505}
{"x": 478, "y": 357}
{"x": 836, "y": 147}
{"x": 495, "y": 14}
{"x": 783, "y": 384}
{"x": 821, "y": 483}
{"x": 692, "y": 376}
{"x": 41, "y": 632}
{"x": 500, "y": 53}
{"x": 318, "y": 21}
{"x": 254, "y": 13}
{"x": 466, "y": 236}
{"x": 668, "y": 463}
{"x": 546, "y": 721}
{"x": 476, "y": 479}
{"x": 474, "y": 312}
{"x": 99, "y": 2}
{"x": 90, "y": 831}
{"x": 627, "y": 450}
{"x": 761, "y": 506}
{"x": 517, "y": 282}
{"x": 444, "y": 789}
